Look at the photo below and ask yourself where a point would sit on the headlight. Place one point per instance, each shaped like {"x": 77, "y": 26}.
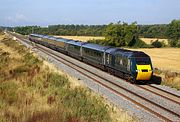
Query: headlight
{"x": 138, "y": 70}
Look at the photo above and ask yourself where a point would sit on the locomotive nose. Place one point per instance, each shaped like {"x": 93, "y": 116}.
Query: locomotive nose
{"x": 144, "y": 72}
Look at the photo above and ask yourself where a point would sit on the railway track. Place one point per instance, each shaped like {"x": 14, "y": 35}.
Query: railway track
{"x": 165, "y": 94}
{"x": 116, "y": 88}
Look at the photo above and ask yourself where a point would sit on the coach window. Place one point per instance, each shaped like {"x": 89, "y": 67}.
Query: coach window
{"x": 128, "y": 65}
{"x": 108, "y": 58}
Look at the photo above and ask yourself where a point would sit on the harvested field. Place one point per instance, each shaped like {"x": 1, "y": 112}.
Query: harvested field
{"x": 150, "y": 40}
{"x": 164, "y": 58}
{"x": 81, "y": 38}
{"x": 86, "y": 38}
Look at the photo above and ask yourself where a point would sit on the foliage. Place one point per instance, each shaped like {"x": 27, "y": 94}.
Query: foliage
{"x": 173, "y": 33}
{"x": 98, "y": 41}
{"x": 117, "y": 34}
{"x": 153, "y": 31}
{"x": 71, "y": 30}
{"x": 120, "y": 34}
{"x": 157, "y": 44}
{"x": 137, "y": 43}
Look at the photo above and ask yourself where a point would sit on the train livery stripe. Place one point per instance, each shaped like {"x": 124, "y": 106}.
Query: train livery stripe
{"x": 144, "y": 72}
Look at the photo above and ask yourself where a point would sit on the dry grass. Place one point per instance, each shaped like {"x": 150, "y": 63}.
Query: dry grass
{"x": 81, "y": 38}
{"x": 2, "y": 37}
{"x": 150, "y": 40}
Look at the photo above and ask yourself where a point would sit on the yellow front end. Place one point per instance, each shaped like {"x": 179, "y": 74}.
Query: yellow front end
{"x": 144, "y": 72}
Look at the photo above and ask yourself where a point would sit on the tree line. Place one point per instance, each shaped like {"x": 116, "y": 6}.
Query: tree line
{"x": 116, "y": 34}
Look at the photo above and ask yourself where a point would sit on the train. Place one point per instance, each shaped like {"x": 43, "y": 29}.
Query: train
{"x": 133, "y": 66}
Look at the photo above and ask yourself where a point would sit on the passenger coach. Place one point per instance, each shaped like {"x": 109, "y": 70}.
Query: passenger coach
{"x": 130, "y": 65}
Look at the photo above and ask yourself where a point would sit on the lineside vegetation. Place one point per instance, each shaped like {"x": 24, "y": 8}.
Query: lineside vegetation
{"x": 30, "y": 91}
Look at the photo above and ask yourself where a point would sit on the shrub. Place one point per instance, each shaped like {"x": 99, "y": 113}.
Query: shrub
{"x": 137, "y": 43}
{"x": 157, "y": 44}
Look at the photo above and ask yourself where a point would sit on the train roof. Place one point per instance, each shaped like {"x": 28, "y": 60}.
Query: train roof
{"x": 96, "y": 47}
{"x": 37, "y": 35}
{"x": 78, "y": 43}
{"x": 107, "y": 49}
{"x": 139, "y": 54}
{"x": 51, "y": 37}
{"x": 126, "y": 53}
{"x": 61, "y": 39}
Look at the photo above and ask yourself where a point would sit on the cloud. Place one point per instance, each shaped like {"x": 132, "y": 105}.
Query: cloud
{"x": 18, "y": 18}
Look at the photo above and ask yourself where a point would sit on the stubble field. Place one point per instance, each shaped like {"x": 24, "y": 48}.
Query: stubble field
{"x": 81, "y": 38}
{"x": 162, "y": 58}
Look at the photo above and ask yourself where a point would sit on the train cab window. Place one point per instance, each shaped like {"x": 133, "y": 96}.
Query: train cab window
{"x": 142, "y": 61}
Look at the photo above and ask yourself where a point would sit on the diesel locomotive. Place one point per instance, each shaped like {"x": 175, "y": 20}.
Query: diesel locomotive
{"x": 130, "y": 65}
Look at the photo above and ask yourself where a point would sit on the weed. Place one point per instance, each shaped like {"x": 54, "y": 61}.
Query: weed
{"x": 82, "y": 105}
{"x": 8, "y": 91}
{"x": 57, "y": 80}
{"x": 30, "y": 60}
{"x": 56, "y": 115}
{"x": 171, "y": 79}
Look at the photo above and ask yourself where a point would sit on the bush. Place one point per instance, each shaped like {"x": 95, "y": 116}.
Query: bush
{"x": 174, "y": 43}
{"x": 137, "y": 43}
{"x": 157, "y": 44}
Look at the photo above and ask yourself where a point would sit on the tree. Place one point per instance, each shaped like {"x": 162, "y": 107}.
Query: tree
{"x": 173, "y": 33}
{"x": 120, "y": 34}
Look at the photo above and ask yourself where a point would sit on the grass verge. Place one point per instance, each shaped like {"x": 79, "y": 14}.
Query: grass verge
{"x": 30, "y": 91}
{"x": 169, "y": 78}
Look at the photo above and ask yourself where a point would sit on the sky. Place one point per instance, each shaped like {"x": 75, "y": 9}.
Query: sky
{"x": 51, "y": 12}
